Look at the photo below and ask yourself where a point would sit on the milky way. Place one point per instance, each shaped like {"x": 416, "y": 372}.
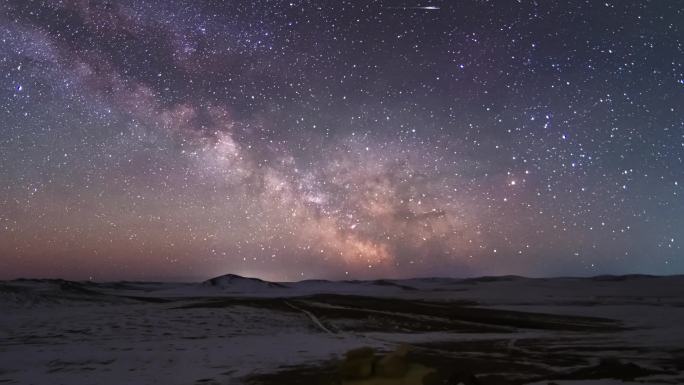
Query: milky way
{"x": 345, "y": 139}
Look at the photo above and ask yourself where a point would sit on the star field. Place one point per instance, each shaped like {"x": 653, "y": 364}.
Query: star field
{"x": 347, "y": 139}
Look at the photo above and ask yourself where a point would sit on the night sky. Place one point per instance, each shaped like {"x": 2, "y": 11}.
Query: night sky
{"x": 340, "y": 139}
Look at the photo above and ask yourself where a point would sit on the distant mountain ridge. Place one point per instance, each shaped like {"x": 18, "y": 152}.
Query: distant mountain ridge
{"x": 234, "y": 281}
{"x": 607, "y": 289}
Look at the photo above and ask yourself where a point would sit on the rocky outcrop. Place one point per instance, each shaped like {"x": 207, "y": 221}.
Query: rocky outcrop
{"x": 362, "y": 367}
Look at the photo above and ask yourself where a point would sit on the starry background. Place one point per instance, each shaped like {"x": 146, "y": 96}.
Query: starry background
{"x": 145, "y": 139}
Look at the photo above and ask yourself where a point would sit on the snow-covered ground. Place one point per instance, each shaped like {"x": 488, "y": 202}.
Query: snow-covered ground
{"x": 232, "y": 330}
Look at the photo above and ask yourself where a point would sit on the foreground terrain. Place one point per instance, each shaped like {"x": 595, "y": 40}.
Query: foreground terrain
{"x": 234, "y": 330}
